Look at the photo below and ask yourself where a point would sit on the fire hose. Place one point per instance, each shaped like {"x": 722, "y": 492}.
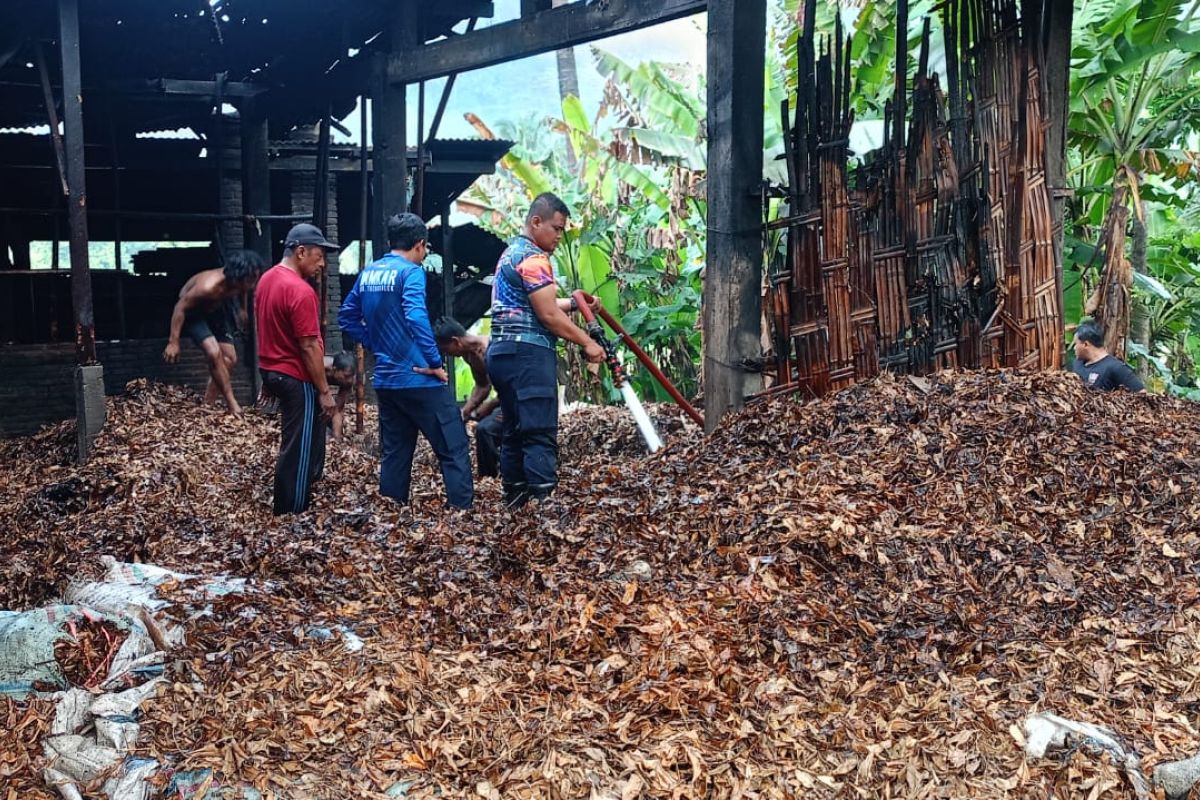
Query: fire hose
{"x": 620, "y": 380}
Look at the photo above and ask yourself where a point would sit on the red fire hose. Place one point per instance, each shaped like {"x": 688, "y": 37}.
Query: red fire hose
{"x": 583, "y": 299}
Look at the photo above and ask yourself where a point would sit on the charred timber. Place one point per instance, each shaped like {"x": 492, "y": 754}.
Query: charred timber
{"x": 943, "y": 249}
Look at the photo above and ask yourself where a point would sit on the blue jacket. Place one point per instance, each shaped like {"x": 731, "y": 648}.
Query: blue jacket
{"x": 385, "y": 313}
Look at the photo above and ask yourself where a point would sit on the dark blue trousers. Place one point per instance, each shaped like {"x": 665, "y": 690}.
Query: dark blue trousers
{"x": 526, "y": 382}
{"x": 488, "y": 434}
{"x": 433, "y": 413}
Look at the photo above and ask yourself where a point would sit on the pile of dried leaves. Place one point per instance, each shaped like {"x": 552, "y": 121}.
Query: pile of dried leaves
{"x": 22, "y": 728}
{"x": 860, "y": 596}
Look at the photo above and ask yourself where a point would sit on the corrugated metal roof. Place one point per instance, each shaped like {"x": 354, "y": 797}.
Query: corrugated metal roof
{"x": 175, "y": 133}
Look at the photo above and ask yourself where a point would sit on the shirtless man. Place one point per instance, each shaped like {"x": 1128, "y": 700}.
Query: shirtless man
{"x": 210, "y": 309}
{"x": 453, "y": 340}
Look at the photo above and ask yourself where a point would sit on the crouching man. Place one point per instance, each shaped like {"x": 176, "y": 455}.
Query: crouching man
{"x": 210, "y": 309}
{"x": 453, "y": 340}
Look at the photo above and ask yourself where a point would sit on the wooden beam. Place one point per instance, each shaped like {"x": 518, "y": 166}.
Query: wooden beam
{"x": 81, "y": 277}
{"x": 228, "y": 90}
{"x": 446, "y": 90}
{"x": 60, "y": 158}
{"x": 732, "y": 305}
{"x": 543, "y": 32}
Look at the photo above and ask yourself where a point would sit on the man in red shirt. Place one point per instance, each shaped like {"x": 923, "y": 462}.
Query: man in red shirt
{"x": 291, "y": 357}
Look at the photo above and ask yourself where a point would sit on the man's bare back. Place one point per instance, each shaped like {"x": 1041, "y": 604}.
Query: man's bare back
{"x": 211, "y": 307}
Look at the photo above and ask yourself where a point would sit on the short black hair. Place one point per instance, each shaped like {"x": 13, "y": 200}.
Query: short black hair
{"x": 545, "y": 205}
{"x": 448, "y": 328}
{"x": 1091, "y": 332}
{"x": 405, "y": 230}
{"x": 345, "y": 361}
{"x": 243, "y": 265}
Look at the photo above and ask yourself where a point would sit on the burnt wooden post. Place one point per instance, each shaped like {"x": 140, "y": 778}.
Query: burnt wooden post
{"x": 81, "y": 279}
{"x": 89, "y": 376}
{"x": 418, "y": 201}
{"x": 364, "y": 227}
{"x": 114, "y": 145}
{"x": 256, "y": 204}
{"x": 217, "y": 153}
{"x": 1056, "y": 66}
{"x": 321, "y": 210}
{"x": 389, "y": 134}
{"x": 732, "y": 304}
{"x": 448, "y": 283}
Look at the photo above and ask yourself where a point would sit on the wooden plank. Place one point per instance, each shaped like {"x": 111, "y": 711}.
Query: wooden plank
{"x": 554, "y": 29}
{"x": 732, "y": 302}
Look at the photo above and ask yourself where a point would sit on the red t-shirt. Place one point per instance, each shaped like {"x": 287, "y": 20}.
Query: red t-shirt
{"x": 286, "y": 309}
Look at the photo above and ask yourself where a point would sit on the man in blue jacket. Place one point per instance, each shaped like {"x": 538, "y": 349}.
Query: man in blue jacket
{"x": 385, "y": 312}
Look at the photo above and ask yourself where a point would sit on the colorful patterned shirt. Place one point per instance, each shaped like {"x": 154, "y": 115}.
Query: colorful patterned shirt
{"x": 523, "y": 268}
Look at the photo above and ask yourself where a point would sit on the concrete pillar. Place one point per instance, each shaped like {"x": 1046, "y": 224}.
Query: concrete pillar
{"x": 89, "y": 407}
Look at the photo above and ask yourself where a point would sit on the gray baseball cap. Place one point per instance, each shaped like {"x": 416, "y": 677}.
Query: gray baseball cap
{"x": 307, "y": 234}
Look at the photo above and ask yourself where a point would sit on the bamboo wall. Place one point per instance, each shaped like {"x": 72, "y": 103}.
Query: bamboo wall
{"x": 937, "y": 250}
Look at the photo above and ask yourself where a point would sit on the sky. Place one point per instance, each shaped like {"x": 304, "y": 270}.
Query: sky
{"x": 530, "y": 86}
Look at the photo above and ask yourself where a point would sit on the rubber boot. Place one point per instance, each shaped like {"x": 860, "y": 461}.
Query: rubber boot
{"x": 515, "y": 494}
{"x": 540, "y": 491}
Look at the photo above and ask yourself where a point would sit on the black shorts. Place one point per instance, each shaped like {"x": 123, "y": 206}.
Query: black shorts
{"x": 220, "y": 323}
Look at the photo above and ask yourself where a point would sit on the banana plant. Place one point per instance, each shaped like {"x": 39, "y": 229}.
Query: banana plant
{"x": 1133, "y": 80}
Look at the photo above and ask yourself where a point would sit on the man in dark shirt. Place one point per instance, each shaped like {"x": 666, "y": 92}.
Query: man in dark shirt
{"x": 1095, "y": 367}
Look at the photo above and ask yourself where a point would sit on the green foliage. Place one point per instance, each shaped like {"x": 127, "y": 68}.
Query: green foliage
{"x": 637, "y": 231}
{"x": 1134, "y": 95}
{"x": 632, "y": 177}
{"x": 630, "y": 174}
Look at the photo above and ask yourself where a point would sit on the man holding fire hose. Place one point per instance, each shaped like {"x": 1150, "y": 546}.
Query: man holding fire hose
{"x": 528, "y": 319}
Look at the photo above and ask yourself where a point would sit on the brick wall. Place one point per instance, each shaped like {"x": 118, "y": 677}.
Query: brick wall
{"x": 232, "y": 232}
{"x": 37, "y": 387}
